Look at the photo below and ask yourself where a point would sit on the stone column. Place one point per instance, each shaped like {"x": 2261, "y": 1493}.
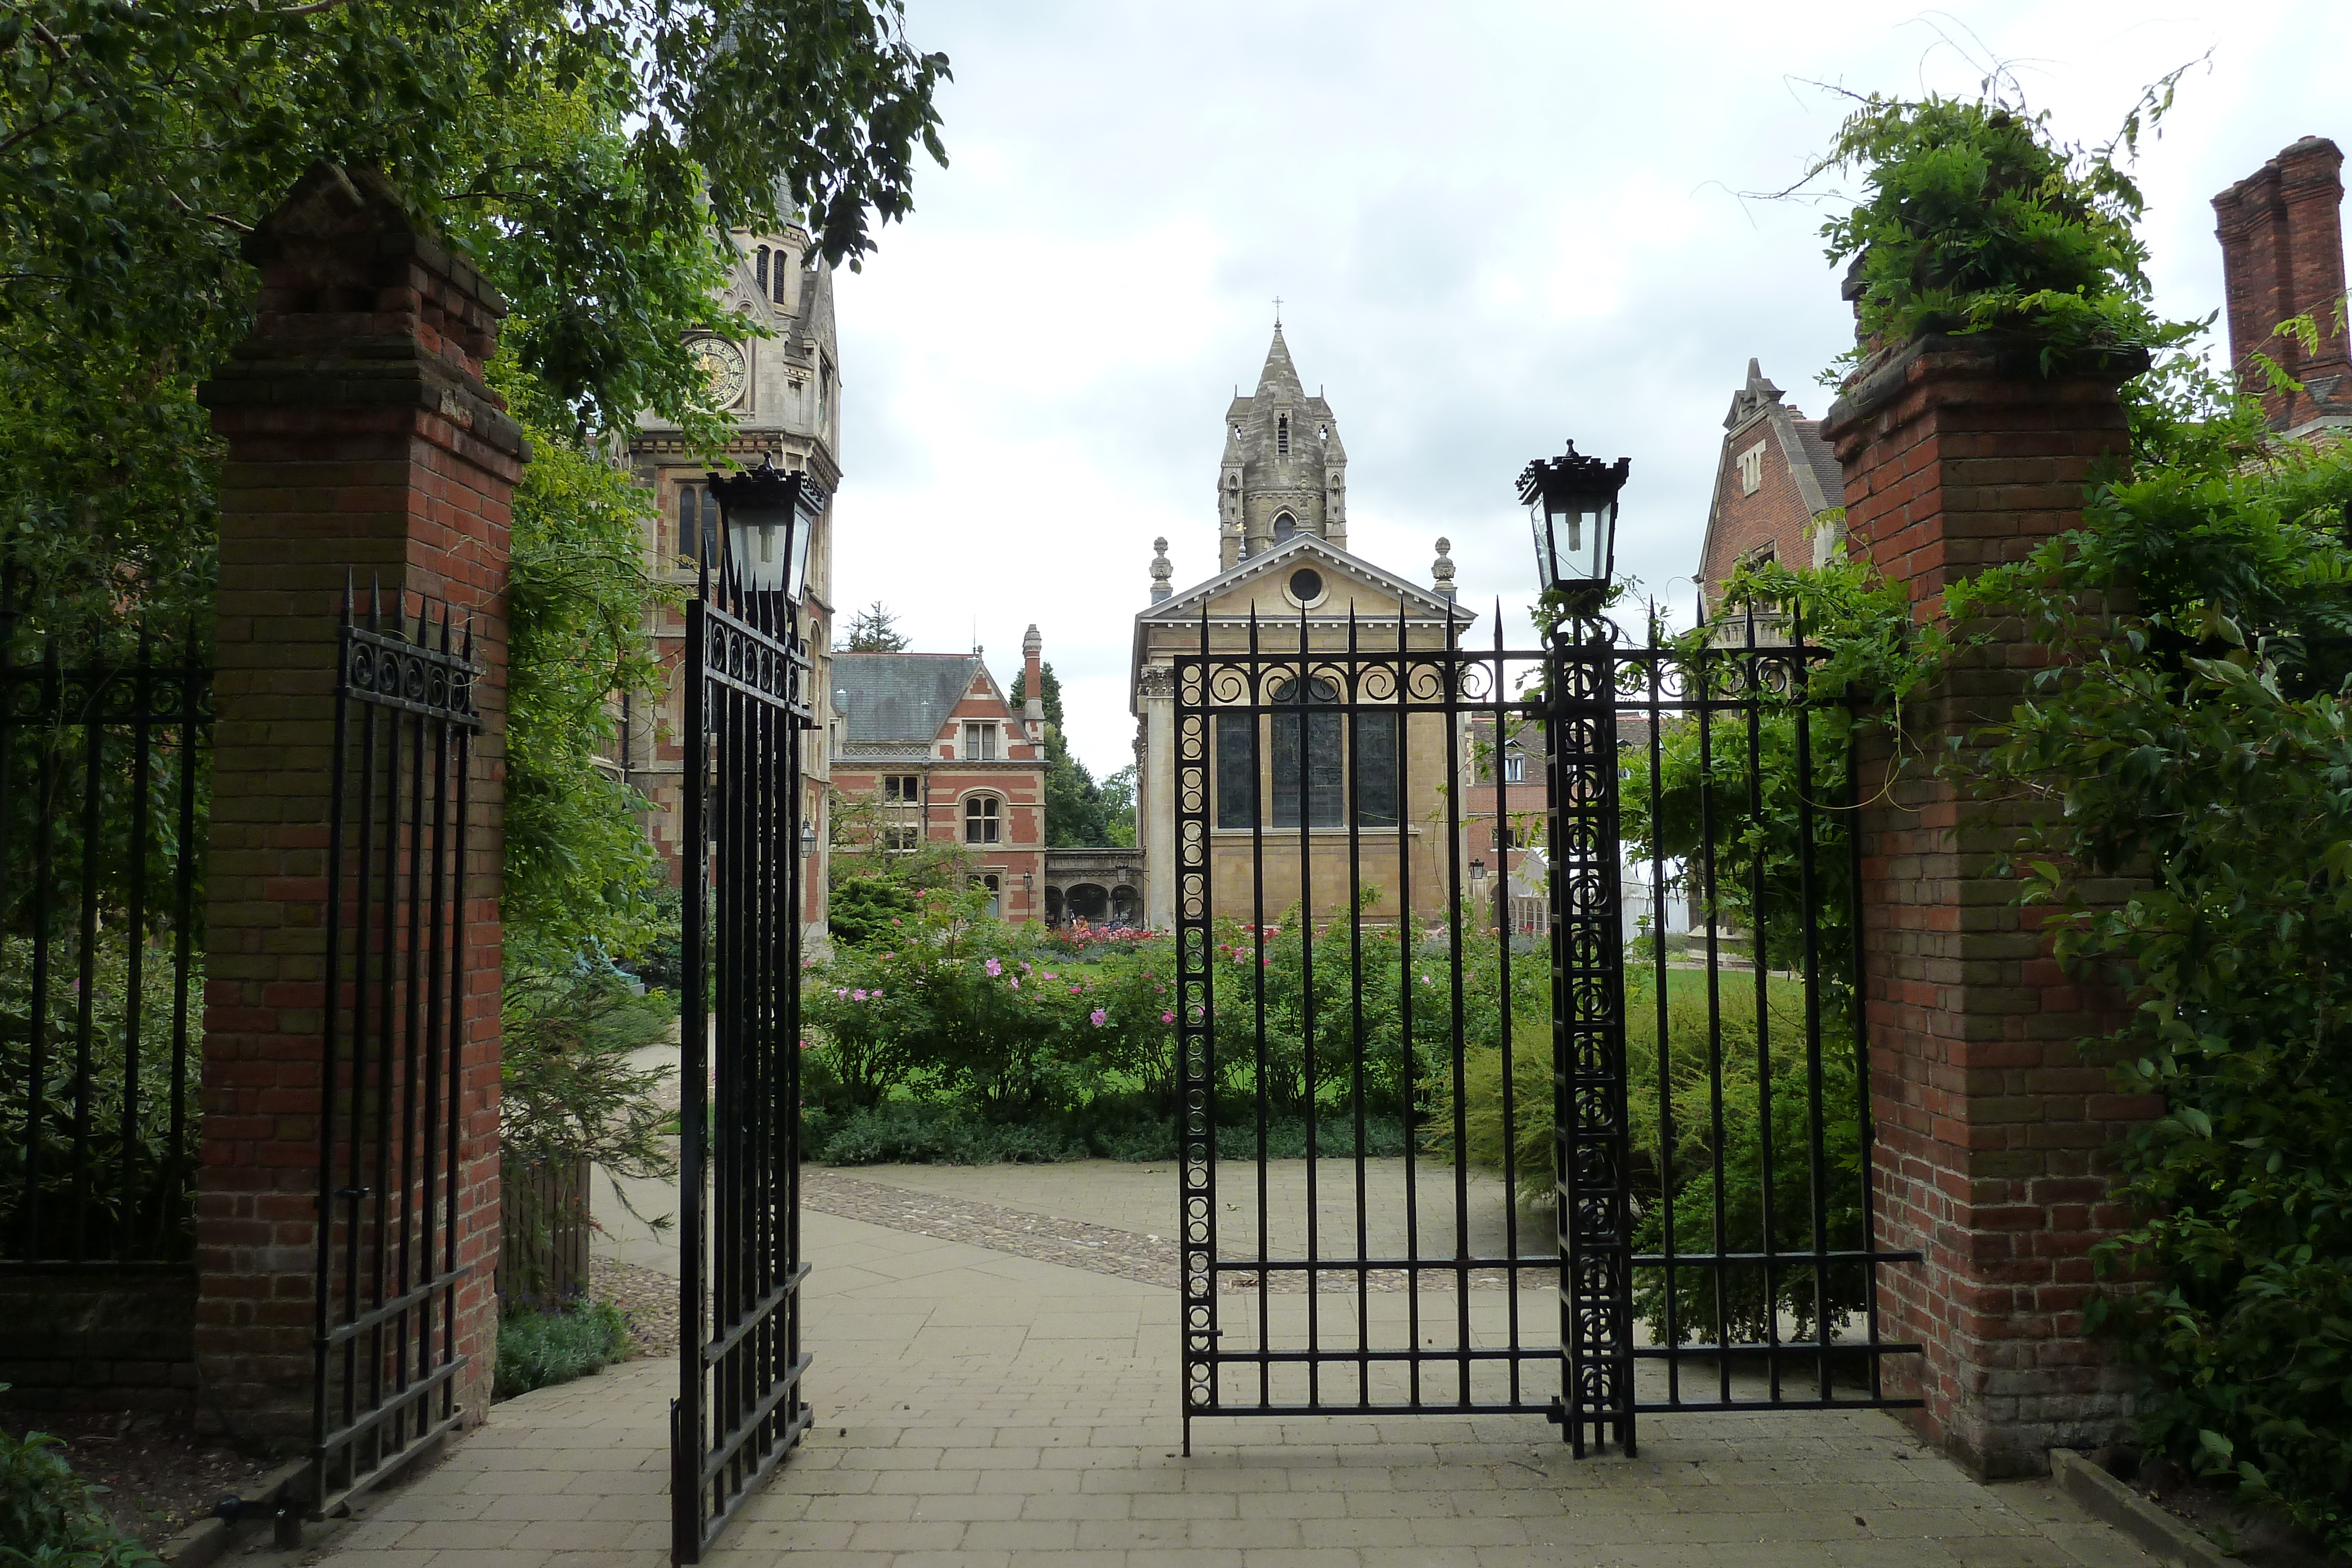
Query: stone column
{"x": 1992, "y": 1129}
{"x": 1155, "y": 792}
{"x": 361, "y": 441}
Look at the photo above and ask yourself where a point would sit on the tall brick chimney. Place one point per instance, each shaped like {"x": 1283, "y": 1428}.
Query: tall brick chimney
{"x": 2282, "y": 235}
{"x": 1033, "y": 683}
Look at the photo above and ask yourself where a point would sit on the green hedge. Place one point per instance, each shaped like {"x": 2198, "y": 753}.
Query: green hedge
{"x": 537, "y": 1349}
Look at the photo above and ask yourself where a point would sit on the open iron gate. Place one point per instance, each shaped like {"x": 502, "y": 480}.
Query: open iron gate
{"x": 1344, "y": 1031}
{"x": 740, "y": 1409}
{"x": 391, "y": 1124}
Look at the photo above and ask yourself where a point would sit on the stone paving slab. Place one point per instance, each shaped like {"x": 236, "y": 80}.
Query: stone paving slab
{"x": 980, "y": 1409}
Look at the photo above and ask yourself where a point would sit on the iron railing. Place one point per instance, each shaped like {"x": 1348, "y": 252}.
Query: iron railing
{"x": 1701, "y": 1117}
{"x": 103, "y": 757}
{"x": 1357, "y": 736}
{"x": 391, "y": 1102}
{"x": 1752, "y": 1126}
{"x": 740, "y": 1409}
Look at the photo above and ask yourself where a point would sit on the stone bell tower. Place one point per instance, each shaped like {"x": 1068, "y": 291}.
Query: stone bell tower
{"x": 1285, "y": 471}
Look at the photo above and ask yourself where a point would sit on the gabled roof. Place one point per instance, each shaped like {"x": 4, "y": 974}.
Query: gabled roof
{"x": 1420, "y": 604}
{"x": 903, "y": 696}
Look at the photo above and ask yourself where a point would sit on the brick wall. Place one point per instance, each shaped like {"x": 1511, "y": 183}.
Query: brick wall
{"x": 1993, "y": 1128}
{"x": 360, "y": 439}
{"x": 112, "y": 1339}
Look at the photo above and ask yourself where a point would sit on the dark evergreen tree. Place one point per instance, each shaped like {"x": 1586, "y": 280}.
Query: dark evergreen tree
{"x": 1076, "y": 815}
{"x": 874, "y": 630}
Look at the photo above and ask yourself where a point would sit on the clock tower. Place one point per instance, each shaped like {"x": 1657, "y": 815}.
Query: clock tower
{"x": 783, "y": 394}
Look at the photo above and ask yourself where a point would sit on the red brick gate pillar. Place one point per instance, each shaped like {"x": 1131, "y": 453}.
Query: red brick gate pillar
{"x": 361, "y": 441}
{"x": 1992, "y": 1127}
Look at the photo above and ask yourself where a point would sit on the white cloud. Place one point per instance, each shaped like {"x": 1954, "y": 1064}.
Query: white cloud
{"x": 1492, "y": 226}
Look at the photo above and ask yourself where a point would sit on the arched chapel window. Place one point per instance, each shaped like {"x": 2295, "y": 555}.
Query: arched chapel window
{"x": 1284, "y": 525}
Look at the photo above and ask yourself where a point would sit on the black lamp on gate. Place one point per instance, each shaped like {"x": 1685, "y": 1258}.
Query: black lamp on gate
{"x": 770, "y": 517}
{"x": 1571, "y": 504}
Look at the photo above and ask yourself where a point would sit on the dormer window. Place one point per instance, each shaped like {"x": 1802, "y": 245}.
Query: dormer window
{"x": 1282, "y": 435}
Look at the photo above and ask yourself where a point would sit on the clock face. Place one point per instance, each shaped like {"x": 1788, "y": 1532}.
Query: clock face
{"x": 722, "y": 366}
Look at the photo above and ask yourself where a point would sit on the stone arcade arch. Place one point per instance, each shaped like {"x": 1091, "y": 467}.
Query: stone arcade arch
{"x": 1102, "y": 885}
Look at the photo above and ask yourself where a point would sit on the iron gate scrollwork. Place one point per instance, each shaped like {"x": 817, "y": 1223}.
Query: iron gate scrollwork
{"x": 386, "y": 1358}
{"x": 1681, "y": 1046}
{"x": 739, "y": 1409}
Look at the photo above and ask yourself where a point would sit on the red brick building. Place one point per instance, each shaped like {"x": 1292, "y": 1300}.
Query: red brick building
{"x": 1778, "y": 495}
{"x": 932, "y": 741}
{"x": 2282, "y": 233}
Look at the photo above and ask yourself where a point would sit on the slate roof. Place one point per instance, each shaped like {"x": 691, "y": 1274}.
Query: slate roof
{"x": 1822, "y": 458}
{"x": 902, "y": 697}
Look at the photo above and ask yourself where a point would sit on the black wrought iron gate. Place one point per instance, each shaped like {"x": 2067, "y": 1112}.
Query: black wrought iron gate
{"x": 739, "y": 1409}
{"x": 1395, "y": 1054}
{"x": 386, "y": 1359}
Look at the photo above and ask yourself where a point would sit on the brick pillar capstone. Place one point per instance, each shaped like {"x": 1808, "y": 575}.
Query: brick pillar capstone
{"x": 1992, "y": 1129}
{"x": 361, "y": 442}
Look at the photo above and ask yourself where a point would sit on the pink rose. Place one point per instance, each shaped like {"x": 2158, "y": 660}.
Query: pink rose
{"x": 994, "y": 969}
{"x": 1167, "y": 1018}
{"x": 1076, "y": 989}
{"x": 857, "y": 995}
{"x": 1097, "y": 1018}
{"x": 1014, "y": 982}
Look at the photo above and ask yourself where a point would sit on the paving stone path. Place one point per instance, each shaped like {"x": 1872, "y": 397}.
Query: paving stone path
{"x": 981, "y": 1407}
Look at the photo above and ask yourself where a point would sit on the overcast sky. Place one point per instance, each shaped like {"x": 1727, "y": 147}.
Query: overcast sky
{"x": 1493, "y": 227}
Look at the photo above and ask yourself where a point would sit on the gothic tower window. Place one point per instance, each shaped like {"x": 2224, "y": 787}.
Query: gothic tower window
{"x": 778, "y": 295}
{"x": 762, "y": 269}
{"x": 1282, "y": 435}
{"x": 1284, "y": 525}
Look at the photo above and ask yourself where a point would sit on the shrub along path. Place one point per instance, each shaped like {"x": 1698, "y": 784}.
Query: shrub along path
{"x": 980, "y": 1408}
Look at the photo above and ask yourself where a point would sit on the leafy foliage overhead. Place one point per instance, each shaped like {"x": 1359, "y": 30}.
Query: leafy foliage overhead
{"x": 590, "y": 156}
{"x": 1974, "y": 218}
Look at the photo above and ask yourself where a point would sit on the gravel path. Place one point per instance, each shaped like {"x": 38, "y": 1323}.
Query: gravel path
{"x": 1077, "y": 1244}
{"x": 649, "y": 1297}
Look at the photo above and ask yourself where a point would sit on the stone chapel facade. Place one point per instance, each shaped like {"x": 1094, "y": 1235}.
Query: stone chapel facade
{"x": 1284, "y": 565}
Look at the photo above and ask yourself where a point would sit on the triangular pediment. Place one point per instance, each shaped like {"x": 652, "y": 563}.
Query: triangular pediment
{"x": 1260, "y": 586}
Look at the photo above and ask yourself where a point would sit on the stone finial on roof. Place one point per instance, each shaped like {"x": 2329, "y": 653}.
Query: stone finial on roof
{"x": 1749, "y": 400}
{"x": 1162, "y": 570}
{"x": 1031, "y": 643}
{"x": 1440, "y": 571}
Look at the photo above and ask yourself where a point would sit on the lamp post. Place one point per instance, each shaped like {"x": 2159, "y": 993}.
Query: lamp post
{"x": 770, "y": 517}
{"x": 1571, "y": 504}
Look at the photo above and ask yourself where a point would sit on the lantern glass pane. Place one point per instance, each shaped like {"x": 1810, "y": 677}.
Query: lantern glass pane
{"x": 794, "y": 571}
